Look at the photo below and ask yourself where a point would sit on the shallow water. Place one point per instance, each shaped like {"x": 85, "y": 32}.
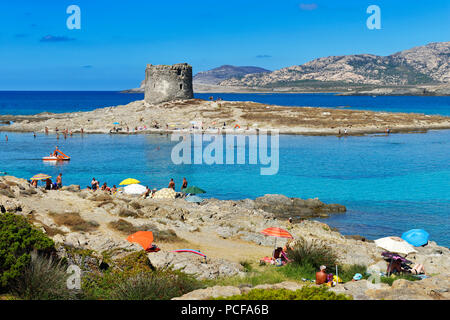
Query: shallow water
{"x": 389, "y": 184}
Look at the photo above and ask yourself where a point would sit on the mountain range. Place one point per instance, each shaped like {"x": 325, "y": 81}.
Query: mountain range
{"x": 427, "y": 64}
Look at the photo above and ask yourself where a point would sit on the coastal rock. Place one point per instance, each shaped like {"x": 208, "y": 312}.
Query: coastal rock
{"x": 165, "y": 193}
{"x": 284, "y": 207}
{"x": 210, "y": 292}
{"x": 194, "y": 264}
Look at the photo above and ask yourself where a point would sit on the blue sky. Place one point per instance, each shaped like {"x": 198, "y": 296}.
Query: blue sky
{"x": 118, "y": 38}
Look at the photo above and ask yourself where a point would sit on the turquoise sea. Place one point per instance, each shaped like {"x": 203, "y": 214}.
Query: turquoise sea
{"x": 389, "y": 184}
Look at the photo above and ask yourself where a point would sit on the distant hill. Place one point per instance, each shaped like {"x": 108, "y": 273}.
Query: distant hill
{"x": 217, "y": 75}
{"x": 427, "y": 64}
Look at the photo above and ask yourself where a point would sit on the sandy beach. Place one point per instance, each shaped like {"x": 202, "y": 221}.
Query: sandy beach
{"x": 211, "y": 116}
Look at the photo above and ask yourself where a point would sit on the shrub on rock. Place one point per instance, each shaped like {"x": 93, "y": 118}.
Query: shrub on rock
{"x": 18, "y": 238}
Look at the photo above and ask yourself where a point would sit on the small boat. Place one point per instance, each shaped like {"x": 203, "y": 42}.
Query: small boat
{"x": 57, "y": 155}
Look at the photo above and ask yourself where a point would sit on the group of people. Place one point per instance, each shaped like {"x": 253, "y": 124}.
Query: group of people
{"x": 49, "y": 185}
{"x": 95, "y": 185}
{"x": 183, "y": 185}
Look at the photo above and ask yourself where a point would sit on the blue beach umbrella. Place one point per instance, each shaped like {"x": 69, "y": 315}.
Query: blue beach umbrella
{"x": 416, "y": 237}
{"x": 195, "y": 199}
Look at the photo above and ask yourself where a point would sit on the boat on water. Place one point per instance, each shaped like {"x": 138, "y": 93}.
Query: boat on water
{"x": 57, "y": 155}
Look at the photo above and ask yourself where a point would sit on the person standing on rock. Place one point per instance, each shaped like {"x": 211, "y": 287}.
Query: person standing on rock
{"x": 59, "y": 181}
{"x": 172, "y": 184}
{"x": 185, "y": 183}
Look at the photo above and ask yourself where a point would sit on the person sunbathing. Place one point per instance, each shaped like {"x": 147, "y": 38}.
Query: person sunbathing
{"x": 321, "y": 276}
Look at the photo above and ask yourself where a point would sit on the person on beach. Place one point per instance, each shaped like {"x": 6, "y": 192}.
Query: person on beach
{"x": 94, "y": 184}
{"x": 59, "y": 181}
{"x": 185, "y": 183}
{"x": 34, "y": 183}
{"x": 114, "y": 189}
{"x": 395, "y": 267}
{"x": 321, "y": 276}
{"x": 105, "y": 187}
{"x": 48, "y": 184}
{"x": 46, "y": 130}
{"x": 172, "y": 184}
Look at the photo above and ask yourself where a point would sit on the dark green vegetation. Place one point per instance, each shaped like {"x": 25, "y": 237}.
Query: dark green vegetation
{"x": 305, "y": 293}
{"x": 132, "y": 278}
{"x": 18, "y": 238}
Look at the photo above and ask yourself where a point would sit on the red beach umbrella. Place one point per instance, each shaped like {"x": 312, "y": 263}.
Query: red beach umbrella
{"x": 144, "y": 238}
{"x": 277, "y": 233}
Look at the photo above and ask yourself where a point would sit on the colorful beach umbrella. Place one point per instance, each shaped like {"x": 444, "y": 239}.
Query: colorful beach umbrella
{"x": 129, "y": 181}
{"x": 277, "y": 233}
{"x": 416, "y": 237}
{"x": 395, "y": 244}
{"x": 193, "y": 190}
{"x": 40, "y": 176}
{"x": 144, "y": 238}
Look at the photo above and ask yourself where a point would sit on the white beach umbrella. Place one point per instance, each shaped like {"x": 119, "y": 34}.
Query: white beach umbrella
{"x": 395, "y": 245}
{"x": 135, "y": 189}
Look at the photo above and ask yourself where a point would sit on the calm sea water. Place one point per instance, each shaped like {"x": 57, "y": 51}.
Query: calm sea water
{"x": 389, "y": 184}
{"x": 17, "y": 102}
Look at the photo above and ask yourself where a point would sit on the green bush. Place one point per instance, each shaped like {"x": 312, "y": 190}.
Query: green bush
{"x": 312, "y": 253}
{"x": 17, "y": 239}
{"x": 132, "y": 278}
{"x": 43, "y": 279}
{"x": 305, "y": 293}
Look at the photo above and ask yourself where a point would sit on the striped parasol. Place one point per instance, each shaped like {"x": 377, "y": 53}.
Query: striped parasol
{"x": 40, "y": 176}
{"x": 277, "y": 233}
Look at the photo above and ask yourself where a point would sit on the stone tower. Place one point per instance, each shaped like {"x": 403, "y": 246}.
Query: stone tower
{"x": 166, "y": 83}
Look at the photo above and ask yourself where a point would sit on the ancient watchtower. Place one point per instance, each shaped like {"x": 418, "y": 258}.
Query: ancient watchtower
{"x": 166, "y": 83}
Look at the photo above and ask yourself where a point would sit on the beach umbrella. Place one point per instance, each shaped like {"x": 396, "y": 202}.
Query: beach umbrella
{"x": 395, "y": 244}
{"x": 144, "y": 238}
{"x": 129, "y": 181}
{"x": 195, "y": 199}
{"x": 40, "y": 176}
{"x": 193, "y": 190}
{"x": 135, "y": 189}
{"x": 277, "y": 233}
{"x": 416, "y": 237}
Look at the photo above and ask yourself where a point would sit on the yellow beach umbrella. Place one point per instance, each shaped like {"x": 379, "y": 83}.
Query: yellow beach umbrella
{"x": 40, "y": 176}
{"x": 129, "y": 181}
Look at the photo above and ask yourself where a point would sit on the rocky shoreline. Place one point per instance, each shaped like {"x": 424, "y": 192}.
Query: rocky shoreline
{"x": 189, "y": 116}
{"x": 226, "y": 231}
